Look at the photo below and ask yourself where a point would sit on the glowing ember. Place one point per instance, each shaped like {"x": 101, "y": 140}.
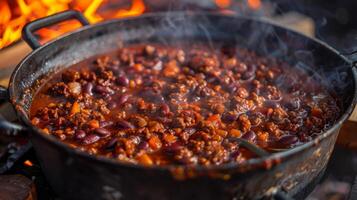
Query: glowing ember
{"x": 28, "y": 163}
{"x": 254, "y": 4}
{"x": 15, "y": 14}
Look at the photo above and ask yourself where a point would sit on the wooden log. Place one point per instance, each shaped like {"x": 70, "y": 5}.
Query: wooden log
{"x": 347, "y": 137}
{"x": 16, "y": 187}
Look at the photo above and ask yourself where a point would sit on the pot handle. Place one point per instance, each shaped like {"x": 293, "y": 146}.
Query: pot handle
{"x": 29, "y": 28}
{"x": 4, "y": 124}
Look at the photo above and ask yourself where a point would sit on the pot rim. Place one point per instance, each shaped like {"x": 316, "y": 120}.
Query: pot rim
{"x": 261, "y": 161}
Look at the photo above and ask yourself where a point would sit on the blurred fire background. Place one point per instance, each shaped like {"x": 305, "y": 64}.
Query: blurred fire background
{"x": 333, "y": 19}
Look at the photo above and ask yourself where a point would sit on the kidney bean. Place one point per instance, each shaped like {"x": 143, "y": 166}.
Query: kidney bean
{"x": 90, "y": 139}
{"x": 123, "y": 98}
{"x": 174, "y": 147}
{"x": 249, "y": 74}
{"x": 125, "y": 124}
{"x": 271, "y": 103}
{"x": 241, "y": 68}
{"x": 102, "y": 132}
{"x": 181, "y": 56}
{"x": 151, "y": 96}
{"x": 231, "y": 88}
{"x": 205, "y": 92}
{"x": 135, "y": 139}
{"x": 294, "y": 104}
{"x": 190, "y": 131}
{"x": 165, "y": 109}
{"x": 62, "y": 136}
{"x": 118, "y": 71}
{"x": 157, "y": 66}
{"x": 111, "y": 144}
{"x": 143, "y": 145}
{"x": 158, "y": 98}
{"x": 148, "y": 80}
{"x": 213, "y": 80}
{"x": 288, "y": 140}
{"x": 122, "y": 80}
{"x": 112, "y": 105}
{"x": 164, "y": 119}
{"x": 88, "y": 88}
{"x": 80, "y": 134}
{"x": 229, "y": 117}
{"x": 104, "y": 124}
{"x": 235, "y": 154}
{"x": 107, "y": 98}
{"x": 250, "y": 136}
{"x": 102, "y": 90}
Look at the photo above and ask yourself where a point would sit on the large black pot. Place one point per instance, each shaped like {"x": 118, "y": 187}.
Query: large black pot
{"x": 76, "y": 175}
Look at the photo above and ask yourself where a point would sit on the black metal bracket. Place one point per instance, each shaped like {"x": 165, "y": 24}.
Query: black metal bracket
{"x": 27, "y": 31}
{"x": 3, "y": 93}
{"x": 10, "y": 127}
{"x": 4, "y": 124}
{"x": 353, "y": 194}
{"x": 280, "y": 195}
{"x": 13, "y": 154}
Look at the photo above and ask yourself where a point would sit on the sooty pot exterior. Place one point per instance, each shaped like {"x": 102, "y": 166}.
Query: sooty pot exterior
{"x": 78, "y": 177}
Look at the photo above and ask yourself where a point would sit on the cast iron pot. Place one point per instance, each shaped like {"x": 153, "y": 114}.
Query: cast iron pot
{"x": 76, "y": 175}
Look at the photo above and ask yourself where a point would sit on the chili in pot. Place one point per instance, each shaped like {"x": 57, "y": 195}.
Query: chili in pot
{"x": 166, "y": 105}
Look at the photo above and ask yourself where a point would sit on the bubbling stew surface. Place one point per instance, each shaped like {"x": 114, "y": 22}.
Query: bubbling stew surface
{"x": 167, "y": 105}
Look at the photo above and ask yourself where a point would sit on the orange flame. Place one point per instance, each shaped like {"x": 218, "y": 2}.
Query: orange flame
{"x": 254, "y": 4}
{"x": 223, "y": 3}
{"x": 15, "y": 14}
{"x": 136, "y": 8}
{"x": 91, "y": 10}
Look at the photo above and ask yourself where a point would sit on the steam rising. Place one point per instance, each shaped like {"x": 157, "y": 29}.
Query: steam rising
{"x": 252, "y": 33}
{"x": 267, "y": 40}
